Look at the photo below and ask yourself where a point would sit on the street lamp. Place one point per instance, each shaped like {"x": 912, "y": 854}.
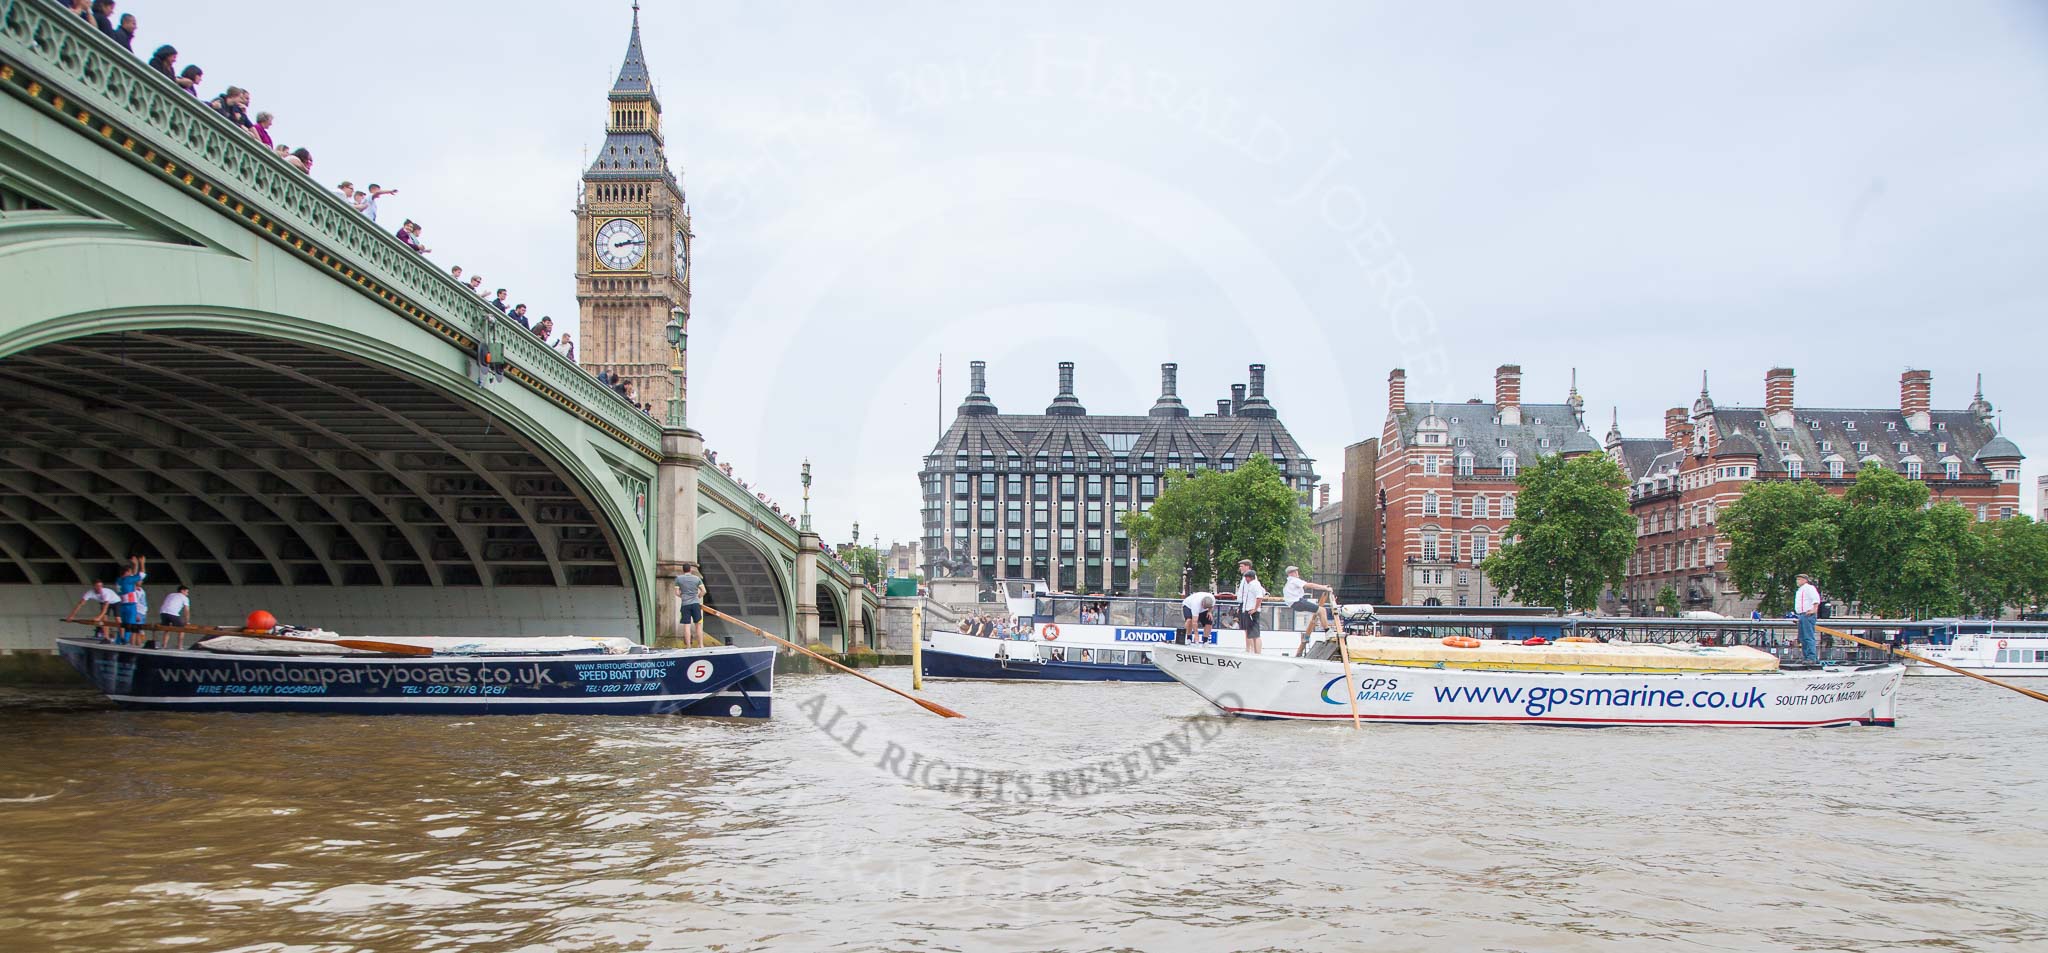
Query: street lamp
{"x": 806, "y": 527}
{"x": 679, "y": 344}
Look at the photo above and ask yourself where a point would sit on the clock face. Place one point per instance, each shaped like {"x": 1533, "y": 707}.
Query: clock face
{"x": 621, "y": 244}
{"x": 682, "y": 251}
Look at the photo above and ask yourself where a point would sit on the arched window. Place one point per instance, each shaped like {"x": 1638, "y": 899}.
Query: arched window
{"x": 1482, "y": 508}
{"x": 1429, "y": 504}
{"x": 1507, "y": 465}
{"x": 1482, "y": 543}
{"x": 1507, "y": 507}
{"x": 1429, "y": 545}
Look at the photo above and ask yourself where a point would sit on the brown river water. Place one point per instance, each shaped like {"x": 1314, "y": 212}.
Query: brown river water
{"x": 1055, "y": 817}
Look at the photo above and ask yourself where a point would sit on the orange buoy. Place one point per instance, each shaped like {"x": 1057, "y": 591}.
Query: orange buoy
{"x": 1461, "y": 642}
{"x": 1051, "y": 632}
{"x": 260, "y": 621}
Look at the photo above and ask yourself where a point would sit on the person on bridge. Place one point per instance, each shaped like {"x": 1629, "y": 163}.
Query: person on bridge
{"x": 499, "y": 301}
{"x": 1198, "y": 609}
{"x": 519, "y": 315}
{"x": 566, "y": 347}
{"x": 366, "y": 201}
{"x": 690, "y": 587}
{"x": 165, "y": 61}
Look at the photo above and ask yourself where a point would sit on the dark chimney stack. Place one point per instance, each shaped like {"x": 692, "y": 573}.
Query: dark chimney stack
{"x": 1066, "y": 404}
{"x": 1168, "y": 404}
{"x": 1223, "y": 408}
{"x": 977, "y": 403}
{"x": 1236, "y": 398}
{"x": 1255, "y": 404}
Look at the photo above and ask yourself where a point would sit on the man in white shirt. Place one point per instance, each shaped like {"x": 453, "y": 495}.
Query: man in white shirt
{"x": 1806, "y": 608}
{"x": 1199, "y": 608}
{"x": 1296, "y": 595}
{"x": 99, "y": 594}
{"x": 1249, "y": 595}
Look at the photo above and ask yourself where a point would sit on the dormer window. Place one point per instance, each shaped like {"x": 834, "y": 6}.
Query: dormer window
{"x": 1848, "y": 425}
{"x": 1543, "y": 442}
{"x": 1501, "y": 441}
{"x": 1507, "y": 464}
{"x": 1784, "y": 444}
{"x": 1862, "y": 446}
{"x": 1952, "y": 470}
{"x": 1903, "y": 447}
{"x": 1464, "y": 464}
{"x": 1834, "y": 469}
{"x": 1941, "y": 425}
{"x": 1827, "y": 445}
{"x": 1912, "y": 469}
{"x": 1891, "y": 425}
{"x": 1941, "y": 446}
{"x": 1459, "y": 441}
{"x": 1813, "y": 425}
{"x": 1793, "y": 467}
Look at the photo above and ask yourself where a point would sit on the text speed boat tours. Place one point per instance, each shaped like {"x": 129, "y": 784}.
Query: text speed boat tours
{"x": 1579, "y": 684}
{"x": 1039, "y": 636}
{"x": 428, "y": 676}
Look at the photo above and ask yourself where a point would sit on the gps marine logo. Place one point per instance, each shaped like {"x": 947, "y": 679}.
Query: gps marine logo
{"x": 1369, "y": 690}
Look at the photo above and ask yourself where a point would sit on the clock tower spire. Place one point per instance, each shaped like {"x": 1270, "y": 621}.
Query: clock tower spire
{"x": 632, "y": 238}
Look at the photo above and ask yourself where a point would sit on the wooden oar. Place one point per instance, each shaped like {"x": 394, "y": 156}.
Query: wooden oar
{"x": 933, "y": 707}
{"x": 1837, "y": 633}
{"x": 366, "y": 645}
{"x": 1350, "y": 688}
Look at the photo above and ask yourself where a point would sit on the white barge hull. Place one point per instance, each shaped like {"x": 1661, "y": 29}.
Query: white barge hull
{"x": 1268, "y": 687}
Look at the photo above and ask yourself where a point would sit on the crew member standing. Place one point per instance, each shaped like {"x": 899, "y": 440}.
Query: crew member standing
{"x": 129, "y": 587}
{"x": 176, "y": 611}
{"x": 1249, "y": 596}
{"x": 690, "y": 586}
{"x": 1806, "y": 607}
{"x": 1198, "y": 609}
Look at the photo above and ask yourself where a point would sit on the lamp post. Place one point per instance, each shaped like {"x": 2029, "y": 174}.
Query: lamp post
{"x": 679, "y": 345}
{"x": 806, "y": 524}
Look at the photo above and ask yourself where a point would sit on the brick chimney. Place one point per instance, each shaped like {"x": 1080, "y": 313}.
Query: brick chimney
{"x": 1168, "y": 404}
{"x": 1677, "y": 429}
{"x": 1223, "y": 407}
{"x": 1236, "y": 398}
{"x": 1507, "y": 393}
{"x": 977, "y": 402}
{"x": 1916, "y": 399}
{"x": 1778, "y": 396}
{"x": 1324, "y": 499}
{"x": 1255, "y": 402}
{"x": 1065, "y": 403}
{"x": 1397, "y": 391}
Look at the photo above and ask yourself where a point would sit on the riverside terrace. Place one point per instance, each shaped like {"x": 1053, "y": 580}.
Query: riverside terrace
{"x": 280, "y": 404}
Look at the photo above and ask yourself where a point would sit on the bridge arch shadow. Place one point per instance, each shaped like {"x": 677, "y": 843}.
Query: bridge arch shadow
{"x": 746, "y": 583}
{"x": 269, "y": 462}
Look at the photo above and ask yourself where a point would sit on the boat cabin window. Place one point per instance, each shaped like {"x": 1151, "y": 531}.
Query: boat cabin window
{"x": 1066, "y": 610}
{"x": 1123, "y": 612}
{"x": 1110, "y": 657}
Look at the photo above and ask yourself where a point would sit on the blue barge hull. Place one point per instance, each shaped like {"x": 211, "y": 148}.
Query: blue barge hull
{"x": 941, "y": 664}
{"x": 718, "y": 682}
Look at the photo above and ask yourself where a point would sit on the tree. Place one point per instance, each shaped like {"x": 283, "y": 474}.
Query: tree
{"x": 864, "y": 560}
{"x": 1203, "y": 523}
{"x": 1571, "y": 536}
{"x": 2003, "y": 563}
{"x": 1900, "y": 556}
{"x": 1667, "y": 599}
{"x": 1777, "y": 530}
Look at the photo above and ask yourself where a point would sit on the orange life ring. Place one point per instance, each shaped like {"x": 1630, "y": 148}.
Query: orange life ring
{"x": 2001, "y": 642}
{"x": 1051, "y": 631}
{"x": 1461, "y": 642}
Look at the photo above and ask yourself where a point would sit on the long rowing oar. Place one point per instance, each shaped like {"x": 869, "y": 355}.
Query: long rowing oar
{"x": 1837, "y": 633}
{"x": 933, "y": 707}
{"x": 366, "y": 645}
{"x": 1343, "y": 652}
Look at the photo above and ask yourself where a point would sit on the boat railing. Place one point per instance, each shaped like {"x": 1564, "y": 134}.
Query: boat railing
{"x": 1780, "y": 637}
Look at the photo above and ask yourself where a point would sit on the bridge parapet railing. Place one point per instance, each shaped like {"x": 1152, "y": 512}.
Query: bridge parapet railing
{"x": 69, "y": 68}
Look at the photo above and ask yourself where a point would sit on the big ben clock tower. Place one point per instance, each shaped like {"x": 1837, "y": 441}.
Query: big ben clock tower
{"x": 632, "y": 240}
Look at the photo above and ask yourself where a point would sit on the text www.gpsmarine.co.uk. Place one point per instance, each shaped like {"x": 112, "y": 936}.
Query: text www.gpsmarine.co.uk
{"x": 918, "y": 769}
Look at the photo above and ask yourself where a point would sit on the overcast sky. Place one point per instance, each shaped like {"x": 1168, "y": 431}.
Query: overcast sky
{"x": 1639, "y": 191}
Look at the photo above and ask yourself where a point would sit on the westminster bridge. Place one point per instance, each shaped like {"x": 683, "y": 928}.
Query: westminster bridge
{"x": 209, "y": 359}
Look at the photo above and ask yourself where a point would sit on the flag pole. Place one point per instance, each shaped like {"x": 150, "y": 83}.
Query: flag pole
{"x": 942, "y": 394}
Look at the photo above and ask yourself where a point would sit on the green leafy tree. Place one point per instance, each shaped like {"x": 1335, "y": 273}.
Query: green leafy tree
{"x": 1901, "y": 556}
{"x": 1667, "y": 599}
{"x": 864, "y": 560}
{"x": 1203, "y": 523}
{"x": 1571, "y": 536}
{"x": 2004, "y": 564}
{"x": 1777, "y": 530}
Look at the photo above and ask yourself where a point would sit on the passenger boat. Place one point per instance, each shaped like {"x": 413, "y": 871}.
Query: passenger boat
{"x": 1089, "y": 638}
{"x": 1980, "y": 646}
{"x": 1461, "y": 681}
{"x": 317, "y": 671}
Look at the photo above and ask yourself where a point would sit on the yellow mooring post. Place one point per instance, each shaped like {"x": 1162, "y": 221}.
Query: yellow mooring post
{"x": 916, "y": 647}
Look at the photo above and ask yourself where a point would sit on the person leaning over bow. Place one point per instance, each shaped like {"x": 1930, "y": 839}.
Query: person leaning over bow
{"x": 690, "y": 587}
{"x": 1806, "y": 608}
{"x": 1198, "y": 609}
{"x": 99, "y": 594}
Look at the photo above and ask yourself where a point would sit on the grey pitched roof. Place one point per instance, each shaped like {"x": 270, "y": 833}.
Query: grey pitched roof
{"x": 1472, "y": 427}
{"x": 630, "y": 155}
{"x": 1208, "y": 439}
{"x": 1952, "y": 433}
{"x": 1640, "y": 454}
{"x": 1581, "y": 442}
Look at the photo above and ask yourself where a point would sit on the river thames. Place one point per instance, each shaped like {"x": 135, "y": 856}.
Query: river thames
{"x": 1059, "y": 816}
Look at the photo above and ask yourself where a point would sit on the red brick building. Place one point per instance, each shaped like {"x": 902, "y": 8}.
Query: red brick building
{"x": 1709, "y": 454}
{"x": 1447, "y": 477}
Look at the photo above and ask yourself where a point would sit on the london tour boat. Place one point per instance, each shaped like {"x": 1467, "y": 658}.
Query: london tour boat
{"x": 299, "y": 670}
{"x": 1980, "y": 646}
{"x": 1462, "y": 680}
{"x": 1055, "y": 637}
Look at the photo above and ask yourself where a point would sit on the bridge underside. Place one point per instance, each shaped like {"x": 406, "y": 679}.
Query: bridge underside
{"x": 741, "y": 581}
{"x": 274, "y": 474}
